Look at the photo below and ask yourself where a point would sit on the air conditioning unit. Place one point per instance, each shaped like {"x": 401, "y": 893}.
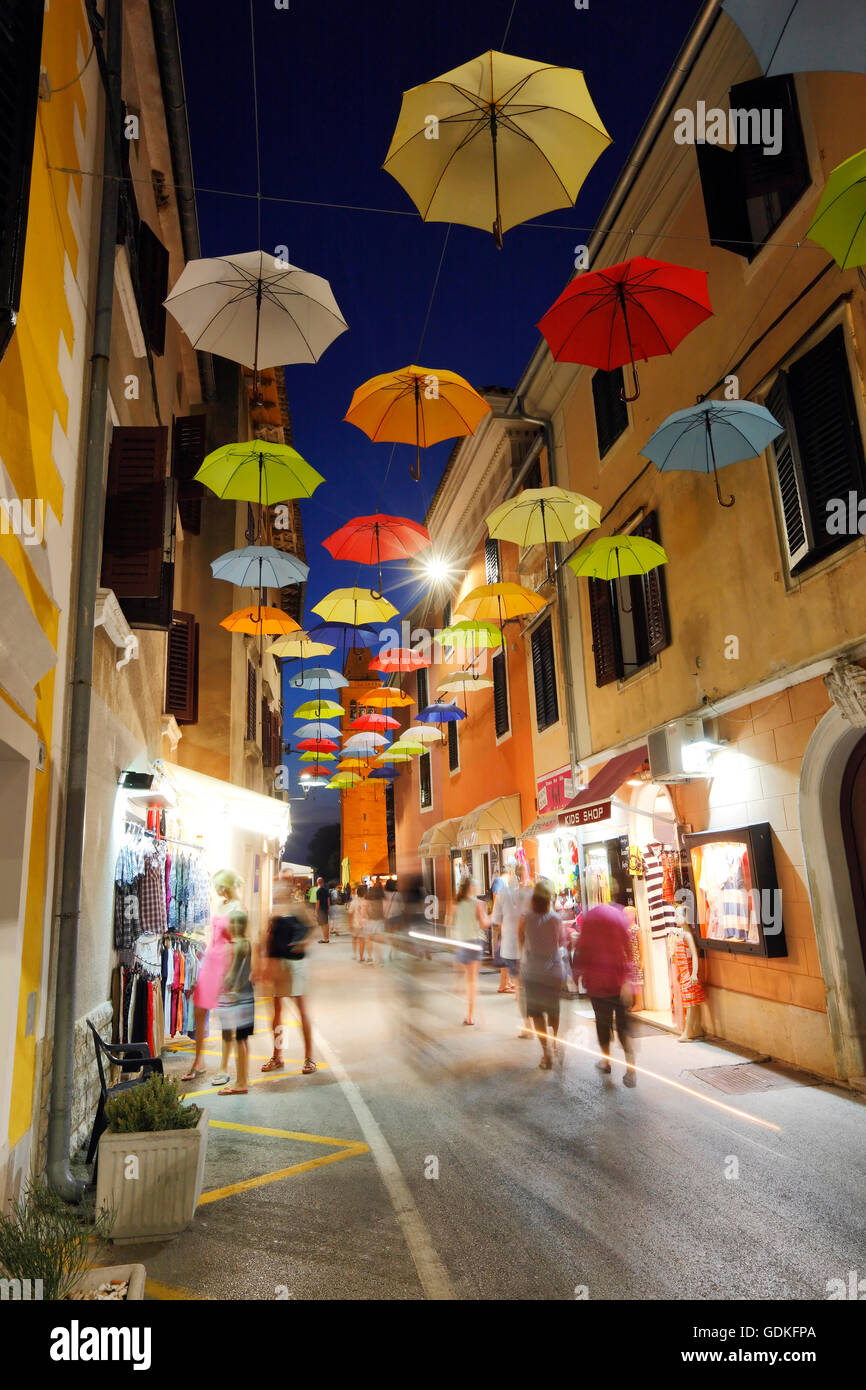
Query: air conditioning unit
{"x": 681, "y": 750}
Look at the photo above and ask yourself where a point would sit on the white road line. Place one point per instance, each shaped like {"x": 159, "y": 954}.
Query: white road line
{"x": 431, "y": 1271}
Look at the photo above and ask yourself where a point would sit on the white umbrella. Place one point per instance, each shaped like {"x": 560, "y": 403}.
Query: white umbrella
{"x": 364, "y": 740}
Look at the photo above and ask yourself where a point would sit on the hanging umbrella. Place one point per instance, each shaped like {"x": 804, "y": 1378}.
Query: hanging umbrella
{"x": 342, "y": 781}
{"x": 393, "y": 660}
{"x": 375, "y": 722}
{"x": 316, "y": 677}
{"x": 317, "y": 745}
{"x": 395, "y": 755}
{"x": 468, "y": 639}
{"x": 422, "y": 733}
{"x": 318, "y": 730}
{"x": 371, "y": 539}
{"x": 357, "y": 635}
{"x": 260, "y": 567}
{"x": 404, "y": 745}
{"x": 710, "y": 435}
{"x": 501, "y": 602}
{"x": 308, "y": 781}
{"x": 839, "y": 224}
{"x": 365, "y": 740}
{"x": 260, "y": 620}
{"x": 803, "y": 35}
{"x": 382, "y": 772}
{"x": 440, "y": 713}
{"x": 514, "y": 139}
{"x": 318, "y": 757}
{"x": 416, "y": 405}
{"x": 617, "y": 557}
{"x": 355, "y": 607}
{"x": 316, "y": 772}
{"x": 257, "y": 471}
{"x": 465, "y": 682}
{"x": 318, "y": 709}
{"x": 355, "y": 762}
{"x": 640, "y": 308}
{"x": 385, "y": 697}
{"x": 298, "y": 644}
{"x": 539, "y": 515}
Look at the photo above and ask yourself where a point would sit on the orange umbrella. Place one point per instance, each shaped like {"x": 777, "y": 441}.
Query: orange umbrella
{"x": 416, "y": 405}
{"x": 384, "y": 697}
{"x": 257, "y": 620}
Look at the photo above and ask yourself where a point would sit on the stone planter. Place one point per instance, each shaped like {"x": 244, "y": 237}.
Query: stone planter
{"x": 92, "y": 1278}
{"x": 152, "y": 1181}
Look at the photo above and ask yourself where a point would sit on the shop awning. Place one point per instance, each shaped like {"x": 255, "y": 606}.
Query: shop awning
{"x": 491, "y": 823}
{"x": 439, "y": 839}
{"x": 242, "y": 808}
{"x": 541, "y": 825}
{"x": 607, "y": 781}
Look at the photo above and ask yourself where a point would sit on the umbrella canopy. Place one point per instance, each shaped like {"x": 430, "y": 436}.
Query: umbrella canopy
{"x": 316, "y": 772}
{"x": 375, "y": 722}
{"x": 710, "y": 435}
{"x": 439, "y": 713}
{"x": 501, "y": 602}
{"x": 385, "y": 697}
{"x": 255, "y": 309}
{"x": 640, "y": 308}
{"x": 260, "y": 567}
{"x": 391, "y": 659}
{"x": 615, "y": 557}
{"x": 371, "y": 539}
{"x": 344, "y": 634}
{"x": 342, "y": 781}
{"x": 416, "y": 405}
{"x": 308, "y": 780}
{"x": 470, "y": 636}
{"x": 317, "y": 676}
{"x": 465, "y": 682}
{"x": 406, "y": 745}
{"x": 514, "y": 138}
{"x": 381, "y": 772}
{"x": 318, "y": 757}
{"x": 354, "y": 607}
{"x": 368, "y": 740}
{"x": 422, "y": 733}
{"x": 355, "y": 762}
{"x": 803, "y": 35}
{"x": 839, "y": 225}
{"x": 318, "y": 730}
{"x": 256, "y": 471}
{"x": 395, "y": 755}
{"x": 318, "y": 709}
{"x": 317, "y": 745}
{"x": 259, "y": 619}
{"x": 298, "y": 644}
{"x": 539, "y": 515}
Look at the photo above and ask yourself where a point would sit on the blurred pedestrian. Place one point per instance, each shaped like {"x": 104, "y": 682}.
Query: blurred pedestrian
{"x": 358, "y": 920}
{"x": 603, "y": 958}
{"x": 215, "y": 963}
{"x": 236, "y": 1008}
{"x": 323, "y": 902}
{"x": 375, "y": 920}
{"x": 539, "y": 936}
{"x": 282, "y": 970}
{"x": 469, "y": 923}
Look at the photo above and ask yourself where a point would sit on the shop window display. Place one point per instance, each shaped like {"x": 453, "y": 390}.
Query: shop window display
{"x": 737, "y": 900}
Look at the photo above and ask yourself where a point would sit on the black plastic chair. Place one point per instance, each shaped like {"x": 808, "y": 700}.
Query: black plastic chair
{"x": 129, "y": 1057}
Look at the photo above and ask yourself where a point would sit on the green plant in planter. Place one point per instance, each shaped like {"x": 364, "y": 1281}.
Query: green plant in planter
{"x": 155, "y": 1104}
{"x": 42, "y": 1238}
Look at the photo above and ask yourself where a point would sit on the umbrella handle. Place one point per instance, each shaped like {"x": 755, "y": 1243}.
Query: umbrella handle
{"x": 619, "y": 580}
{"x": 722, "y": 502}
{"x": 497, "y": 225}
{"x": 623, "y": 395}
{"x": 415, "y": 468}
{"x": 622, "y": 304}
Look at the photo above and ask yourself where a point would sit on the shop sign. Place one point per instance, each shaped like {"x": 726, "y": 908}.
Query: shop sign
{"x": 554, "y": 791}
{"x": 586, "y": 815}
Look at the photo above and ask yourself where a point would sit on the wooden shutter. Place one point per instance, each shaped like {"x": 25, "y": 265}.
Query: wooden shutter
{"x": 605, "y": 636}
{"x": 828, "y": 437}
{"x": 252, "y": 691}
{"x": 785, "y": 173}
{"x": 422, "y": 688}
{"x": 424, "y": 777}
{"x": 153, "y": 286}
{"x": 181, "y": 671}
{"x": 491, "y": 562}
{"x": 20, "y": 49}
{"x": 187, "y": 453}
{"x": 500, "y": 694}
{"x": 544, "y": 676}
{"x": 135, "y": 524}
{"x": 654, "y": 593}
{"x": 795, "y": 519}
{"x": 724, "y": 194}
{"x": 611, "y": 411}
{"x": 453, "y": 746}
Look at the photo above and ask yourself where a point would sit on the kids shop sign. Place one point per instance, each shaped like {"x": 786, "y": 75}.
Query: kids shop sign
{"x": 586, "y": 815}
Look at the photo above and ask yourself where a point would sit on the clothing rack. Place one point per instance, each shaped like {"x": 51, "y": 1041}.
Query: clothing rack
{"x": 160, "y": 839}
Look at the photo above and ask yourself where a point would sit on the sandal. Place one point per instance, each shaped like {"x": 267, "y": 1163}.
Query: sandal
{"x": 222, "y": 1078}
{"x": 194, "y": 1074}
{"x": 275, "y": 1064}
{"x": 232, "y": 1091}
{"x": 469, "y": 1023}
{"x": 545, "y": 1064}
{"x": 308, "y": 1067}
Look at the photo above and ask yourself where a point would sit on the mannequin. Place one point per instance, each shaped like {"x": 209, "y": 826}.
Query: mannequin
{"x": 685, "y": 963}
{"x": 215, "y": 963}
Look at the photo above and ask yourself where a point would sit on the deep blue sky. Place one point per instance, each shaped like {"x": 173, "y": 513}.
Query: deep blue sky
{"x": 330, "y": 78}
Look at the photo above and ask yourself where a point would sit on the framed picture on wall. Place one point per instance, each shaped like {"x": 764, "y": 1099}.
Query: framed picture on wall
{"x": 737, "y": 900}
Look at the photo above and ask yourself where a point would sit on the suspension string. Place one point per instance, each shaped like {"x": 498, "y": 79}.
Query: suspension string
{"x": 258, "y": 147}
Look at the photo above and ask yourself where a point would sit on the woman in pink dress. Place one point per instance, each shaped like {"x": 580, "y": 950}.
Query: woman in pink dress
{"x": 214, "y": 965}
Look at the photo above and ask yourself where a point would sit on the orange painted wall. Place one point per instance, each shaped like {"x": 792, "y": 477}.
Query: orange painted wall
{"x": 362, "y": 809}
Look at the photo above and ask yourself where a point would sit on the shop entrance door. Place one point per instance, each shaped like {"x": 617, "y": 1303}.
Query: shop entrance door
{"x": 853, "y": 811}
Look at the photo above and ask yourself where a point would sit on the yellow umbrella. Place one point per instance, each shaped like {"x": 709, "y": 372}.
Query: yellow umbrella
{"x": 354, "y": 606}
{"x": 496, "y": 141}
{"x": 395, "y": 755}
{"x": 298, "y": 644}
{"x": 258, "y": 619}
{"x": 342, "y": 781}
{"x": 465, "y": 682}
{"x": 473, "y": 636}
{"x": 317, "y": 757}
{"x": 318, "y": 709}
{"x": 539, "y": 515}
{"x": 501, "y": 602}
{"x": 416, "y": 405}
{"x": 385, "y": 697}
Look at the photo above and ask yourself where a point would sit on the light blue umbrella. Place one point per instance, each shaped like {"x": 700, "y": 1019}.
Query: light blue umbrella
{"x": 317, "y": 676}
{"x": 710, "y": 435}
{"x": 317, "y": 730}
{"x": 803, "y": 35}
{"x": 260, "y": 567}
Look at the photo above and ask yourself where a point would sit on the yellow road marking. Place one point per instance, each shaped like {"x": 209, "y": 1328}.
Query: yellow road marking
{"x": 218, "y": 1193}
{"x": 254, "y": 1081}
{"x": 286, "y": 1134}
{"x": 165, "y": 1292}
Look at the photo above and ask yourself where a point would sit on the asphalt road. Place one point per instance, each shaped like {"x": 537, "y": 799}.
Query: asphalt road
{"x": 456, "y": 1169}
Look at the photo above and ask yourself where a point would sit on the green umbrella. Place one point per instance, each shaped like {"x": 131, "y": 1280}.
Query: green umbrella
{"x": 839, "y": 225}
{"x": 256, "y": 471}
{"x": 617, "y": 557}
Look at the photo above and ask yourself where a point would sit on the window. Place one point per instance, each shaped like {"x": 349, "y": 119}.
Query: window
{"x": 181, "y": 669}
{"x": 500, "y": 694}
{"x": 544, "y": 676}
{"x": 272, "y": 751}
{"x": 447, "y": 652}
{"x": 747, "y": 193}
{"x": 252, "y": 692}
{"x": 390, "y": 828}
{"x": 138, "y": 539}
{"x": 492, "y": 571}
{"x": 611, "y": 411}
{"x": 629, "y": 618}
{"x": 187, "y": 453}
{"x": 20, "y": 51}
{"x": 422, "y": 689}
{"x": 453, "y": 747}
{"x": 425, "y": 779}
{"x": 819, "y": 458}
{"x": 152, "y": 286}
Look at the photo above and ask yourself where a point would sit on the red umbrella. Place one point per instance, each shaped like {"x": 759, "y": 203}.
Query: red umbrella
{"x": 372, "y": 539}
{"x": 641, "y": 308}
{"x": 313, "y": 770}
{"x": 317, "y": 745}
{"x": 398, "y": 659}
{"x": 374, "y": 723}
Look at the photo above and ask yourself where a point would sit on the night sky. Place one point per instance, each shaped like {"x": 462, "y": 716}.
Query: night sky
{"x": 330, "y": 78}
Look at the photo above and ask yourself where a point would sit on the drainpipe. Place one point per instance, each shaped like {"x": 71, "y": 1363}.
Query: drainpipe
{"x": 60, "y": 1173}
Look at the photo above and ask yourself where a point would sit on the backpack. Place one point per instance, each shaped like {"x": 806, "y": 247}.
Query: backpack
{"x": 285, "y": 933}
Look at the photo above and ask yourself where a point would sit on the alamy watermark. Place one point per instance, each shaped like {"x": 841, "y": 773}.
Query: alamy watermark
{"x": 23, "y": 518}
{"x": 739, "y": 126}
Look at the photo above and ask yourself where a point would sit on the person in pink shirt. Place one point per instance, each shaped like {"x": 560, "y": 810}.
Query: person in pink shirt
{"x": 215, "y": 963}
{"x": 603, "y": 959}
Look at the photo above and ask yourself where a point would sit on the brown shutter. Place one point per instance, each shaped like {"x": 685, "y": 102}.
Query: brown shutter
{"x": 187, "y": 453}
{"x": 252, "y": 690}
{"x": 789, "y": 474}
{"x": 772, "y": 173}
{"x": 605, "y": 638}
{"x": 153, "y": 286}
{"x": 181, "y": 672}
{"x": 725, "y": 199}
{"x": 134, "y": 538}
{"x": 20, "y": 47}
{"x": 655, "y": 595}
